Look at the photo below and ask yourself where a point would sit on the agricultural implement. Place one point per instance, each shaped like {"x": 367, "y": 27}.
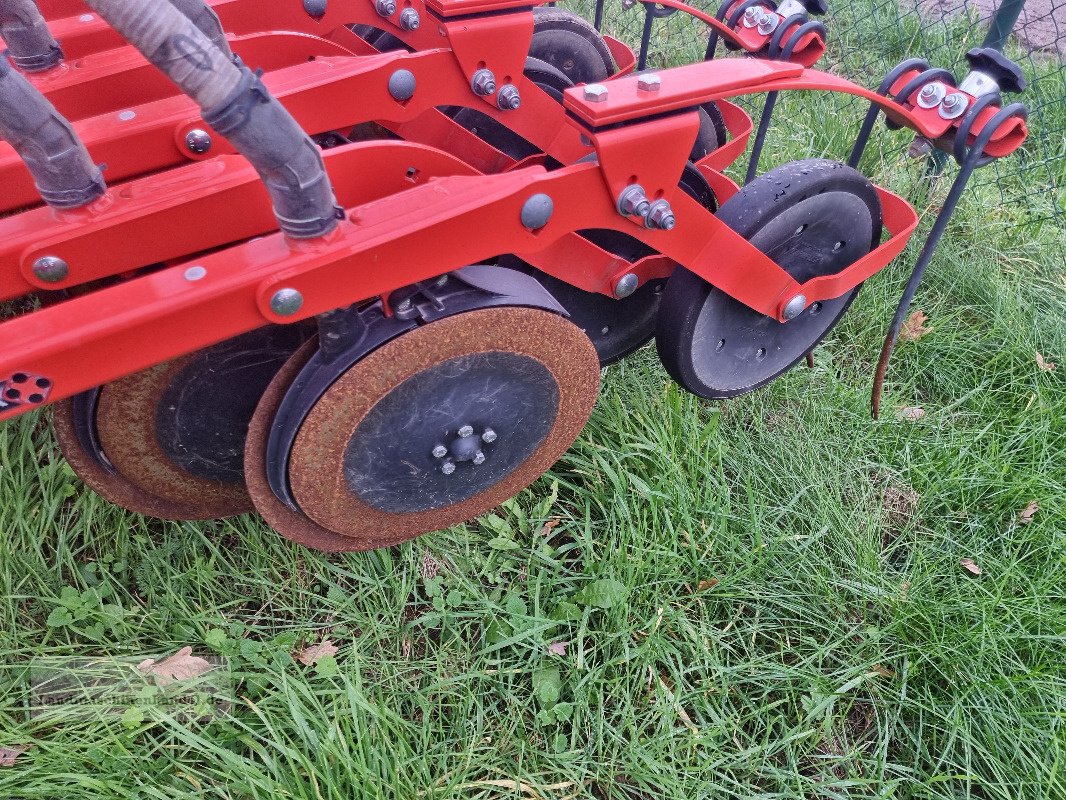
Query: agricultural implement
{"x": 356, "y": 264}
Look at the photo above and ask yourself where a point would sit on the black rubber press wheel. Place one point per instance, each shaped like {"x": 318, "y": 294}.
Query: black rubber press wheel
{"x": 812, "y": 217}
{"x": 431, "y": 429}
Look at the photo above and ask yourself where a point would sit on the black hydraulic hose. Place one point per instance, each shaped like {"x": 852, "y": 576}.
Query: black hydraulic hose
{"x": 61, "y": 167}
{"x": 205, "y": 18}
{"x": 29, "y": 42}
{"x": 237, "y": 105}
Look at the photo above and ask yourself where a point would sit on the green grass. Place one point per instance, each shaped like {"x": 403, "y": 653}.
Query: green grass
{"x": 760, "y": 598}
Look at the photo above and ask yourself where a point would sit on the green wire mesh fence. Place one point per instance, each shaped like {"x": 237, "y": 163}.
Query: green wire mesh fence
{"x": 866, "y": 38}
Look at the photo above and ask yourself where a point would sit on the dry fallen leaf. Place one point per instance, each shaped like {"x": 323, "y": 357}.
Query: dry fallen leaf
{"x": 1025, "y": 516}
{"x": 883, "y": 671}
{"x": 968, "y": 565}
{"x": 707, "y": 584}
{"x": 549, "y": 526}
{"x": 310, "y": 656}
{"x": 914, "y": 327}
{"x": 9, "y": 755}
{"x": 1044, "y": 364}
{"x": 558, "y": 648}
{"x": 911, "y": 414}
{"x": 181, "y": 666}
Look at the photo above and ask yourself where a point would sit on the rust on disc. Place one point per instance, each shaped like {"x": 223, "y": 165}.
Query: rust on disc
{"x": 126, "y": 425}
{"x": 112, "y": 486}
{"x": 364, "y": 462}
{"x": 290, "y": 524}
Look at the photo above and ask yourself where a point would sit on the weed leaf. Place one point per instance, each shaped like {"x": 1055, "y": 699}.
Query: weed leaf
{"x": 604, "y": 593}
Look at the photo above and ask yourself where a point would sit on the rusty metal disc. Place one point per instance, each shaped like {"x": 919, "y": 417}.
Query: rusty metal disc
{"x": 177, "y": 430}
{"x": 443, "y": 424}
{"x": 91, "y": 466}
{"x": 288, "y": 522}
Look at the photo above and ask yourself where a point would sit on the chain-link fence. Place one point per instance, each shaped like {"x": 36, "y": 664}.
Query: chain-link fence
{"x": 868, "y": 37}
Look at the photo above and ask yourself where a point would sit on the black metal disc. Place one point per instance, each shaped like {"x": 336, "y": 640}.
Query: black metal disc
{"x": 455, "y": 406}
{"x": 202, "y": 416}
{"x": 812, "y": 217}
{"x": 571, "y": 45}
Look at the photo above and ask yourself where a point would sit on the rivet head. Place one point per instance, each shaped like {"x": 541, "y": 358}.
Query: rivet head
{"x": 196, "y": 273}
{"x": 596, "y": 92}
{"x": 51, "y": 269}
{"x": 537, "y": 211}
{"x": 794, "y": 307}
{"x": 649, "y": 82}
{"x": 402, "y": 85}
{"x": 198, "y": 141}
{"x": 286, "y": 302}
{"x": 626, "y": 285}
{"x": 315, "y": 8}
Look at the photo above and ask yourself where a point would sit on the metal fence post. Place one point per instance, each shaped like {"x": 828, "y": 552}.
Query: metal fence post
{"x": 1002, "y": 23}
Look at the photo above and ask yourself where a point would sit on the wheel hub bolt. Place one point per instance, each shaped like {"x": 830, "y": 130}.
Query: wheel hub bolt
{"x": 489, "y": 436}
{"x": 448, "y": 467}
{"x": 596, "y": 92}
{"x": 440, "y": 451}
{"x": 479, "y": 457}
{"x": 483, "y": 83}
{"x": 385, "y": 8}
{"x": 409, "y": 19}
{"x": 50, "y": 269}
{"x": 466, "y": 431}
{"x": 626, "y": 285}
{"x": 508, "y": 98}
{"x": 198, "y": 141}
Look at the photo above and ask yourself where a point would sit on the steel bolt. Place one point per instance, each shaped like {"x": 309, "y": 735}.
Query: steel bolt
{"x": 794, "y": 307}
{"x": 286, "y": 302}
{"x": 508, "y": 98}
{"x": 448, "y": 467}
{"x": 483, "y": 83}
{"x": 596, "y": 92}
{"x": 633, "y": 202}
{"x": 660, "y": 216}
{"x": 768, "y": 24}
{"x": 402, "y": 85}
{"x": 537, "y": 211}
{"x": 385, "y": 8}
{"x": 409, "y": 19}
{"x": 752, "y": 16}
{"x": 404, "y": 305}
{"x": 931, "y": 94}
{"x": 953, "y": 106}
{"x": 489, "y": 436}
{"x": 466, "y": 431}
{"x": 440, "y": 451}
{"x": 479, "y": 457}
{"x": 626, "y": 285}
{"x": 51, "y": 269}
{"x": 198, "y": 141}
{"x": 649, "y": 82}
